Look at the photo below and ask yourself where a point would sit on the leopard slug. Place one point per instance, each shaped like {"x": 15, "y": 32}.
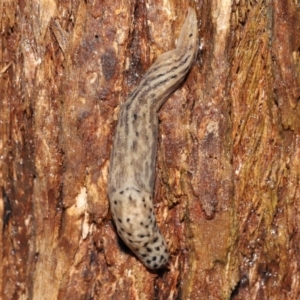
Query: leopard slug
{"x": 132, "y": 162}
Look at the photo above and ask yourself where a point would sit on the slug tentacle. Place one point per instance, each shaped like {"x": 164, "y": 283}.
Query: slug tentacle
{"x": 132, "y": 163}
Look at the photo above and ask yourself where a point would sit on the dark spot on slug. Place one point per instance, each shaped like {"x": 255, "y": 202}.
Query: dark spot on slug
{"x": 144, "y": 255}
{"x": 141, "y": 236}
{"x": 155, "y": 240}
{"x": 174, "y": 76}
{"x": 155, "y": 266}
{"x": 141, "y": 223}
{"x": 185, "y": 61}
{"x": 135, "y": 116}
{"x": 161, "y": 258}
{"x": 130, "y": 198}
{"x": 128, "y": 219}
{"x": 149, "y": 249}
{"x": 157, "y": 248}
{"x": 136, "y": 133}
{"x": 160, "y": 75}
{"x": 120, "y": 220}
{"x": 134, "y": 145}
{"x": 160, "y": 83}
{"x": 129, "y": 233}
{"x": 143, "y": 199}
{"x": 190, "y": 35}
{"x": 154, "y": 258}
{"x": 145, "y": 245}
{"x": 115, "y": 202}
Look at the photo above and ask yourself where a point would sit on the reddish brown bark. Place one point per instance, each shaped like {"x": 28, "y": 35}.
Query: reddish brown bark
{"x": 227, "y": 185}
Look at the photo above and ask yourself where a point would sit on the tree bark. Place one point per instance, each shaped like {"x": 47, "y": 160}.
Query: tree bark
{"x": 227, "y": 192}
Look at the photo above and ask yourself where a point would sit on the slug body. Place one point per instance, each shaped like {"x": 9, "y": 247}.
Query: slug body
{"x": 132, "y": 163}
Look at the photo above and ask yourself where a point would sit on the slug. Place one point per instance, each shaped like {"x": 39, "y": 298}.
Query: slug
{"x": 132, "y": 162}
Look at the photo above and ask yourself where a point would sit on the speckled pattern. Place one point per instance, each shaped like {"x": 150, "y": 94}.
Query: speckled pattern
{"x": 132, "y": 163}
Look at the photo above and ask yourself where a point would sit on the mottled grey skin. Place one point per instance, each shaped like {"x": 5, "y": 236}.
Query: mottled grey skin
{"x": 132, "y": 163}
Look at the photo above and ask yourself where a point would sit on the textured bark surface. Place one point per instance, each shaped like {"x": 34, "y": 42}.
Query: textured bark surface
{"x": 227, "y": 190}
